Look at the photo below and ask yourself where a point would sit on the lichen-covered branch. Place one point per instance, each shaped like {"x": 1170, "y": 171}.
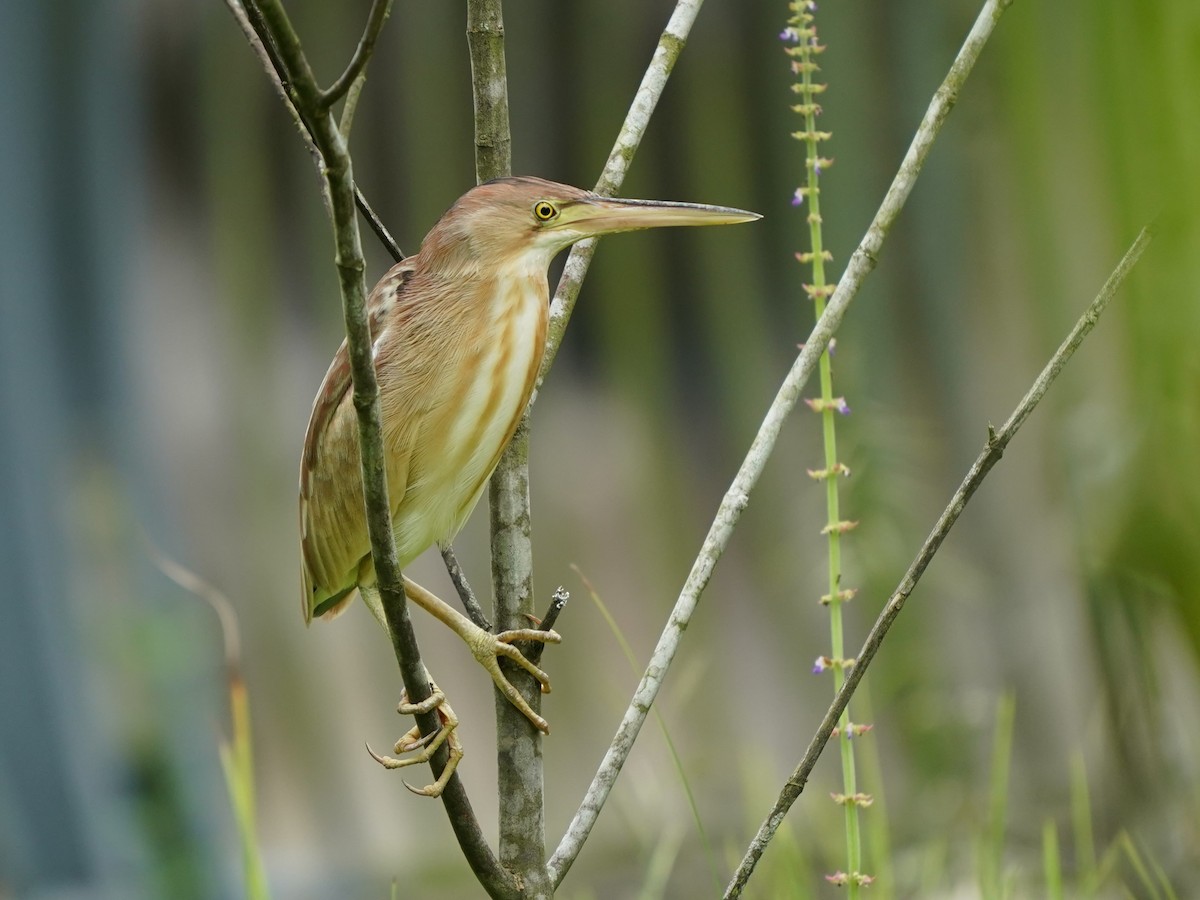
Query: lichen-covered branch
{"x": 489, "y": 81}
{"x": 997, "y": 441}
{"x": 738, "y": 495}
{"x": 274, "y": 30}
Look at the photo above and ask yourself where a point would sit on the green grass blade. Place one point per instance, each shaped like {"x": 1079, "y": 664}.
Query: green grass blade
{"x": 1139, "y": 866}
{"x": 1051, "y": 861}
{"x": 662, "y": 862}
{"x": 237, "y": 762}
{"x": 992, "y": 853}
{"x": 1081, "y": 824}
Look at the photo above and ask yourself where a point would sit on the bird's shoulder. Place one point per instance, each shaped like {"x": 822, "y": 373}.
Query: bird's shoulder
{"x": 336, "y": 384}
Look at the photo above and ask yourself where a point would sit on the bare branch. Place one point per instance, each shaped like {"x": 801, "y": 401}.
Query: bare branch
{"x": 274, "y": 30}
{"x": 737, "y": 497}
{"x": 357, "y": 68}
{"x": 990, "y": 455}
{"x": 465, "y": 593}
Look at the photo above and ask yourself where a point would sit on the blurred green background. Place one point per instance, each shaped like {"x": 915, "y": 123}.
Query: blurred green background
{"x": 168, "y": 307}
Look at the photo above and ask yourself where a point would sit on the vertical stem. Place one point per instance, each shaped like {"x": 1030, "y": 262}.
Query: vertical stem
{"x": 518, "y": 744}
{"x": 489, "y": 80}
{"x": 802, "y": 29}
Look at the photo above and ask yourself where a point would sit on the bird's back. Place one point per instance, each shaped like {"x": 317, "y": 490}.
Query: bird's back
{"x": 456, "y": 355}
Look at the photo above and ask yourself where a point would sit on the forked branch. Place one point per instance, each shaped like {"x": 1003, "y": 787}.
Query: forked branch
{"x": 280, "y": 42}
{"x": 990, "y": 455}
{"x": 268, "y": 55}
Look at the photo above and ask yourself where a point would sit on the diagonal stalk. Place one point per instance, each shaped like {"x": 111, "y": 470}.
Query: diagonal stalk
{"x": 737, "y": 497}
{"x": 997, "y": 441}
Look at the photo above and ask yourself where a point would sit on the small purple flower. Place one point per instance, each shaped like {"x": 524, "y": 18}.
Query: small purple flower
{"x": 821, "y": 664}
{"x": 817, "y": 167}
{"x": 790, "y": 34}
{"x": 798, "y": 197}
{"x": 840, "y": 405}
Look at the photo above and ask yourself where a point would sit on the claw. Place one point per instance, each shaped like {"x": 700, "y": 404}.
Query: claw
{"x": 427, "y": 745}
{"x": 486, "y": 648}
{"x": 435, "y": 699}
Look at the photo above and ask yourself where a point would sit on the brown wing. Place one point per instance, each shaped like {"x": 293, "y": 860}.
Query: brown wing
{"x": 333, "y": 531}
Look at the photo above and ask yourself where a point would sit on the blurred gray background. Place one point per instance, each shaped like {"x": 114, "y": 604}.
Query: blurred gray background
{"x": 168, "y": 307}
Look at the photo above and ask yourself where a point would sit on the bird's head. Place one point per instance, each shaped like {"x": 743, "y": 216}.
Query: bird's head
{"x": 525, "y": 221}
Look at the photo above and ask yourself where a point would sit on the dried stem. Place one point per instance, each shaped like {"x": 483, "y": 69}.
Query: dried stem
{"x": 738, "y": 495}
{"x": 997, "y": 441}
{"x": 274, "y": 30}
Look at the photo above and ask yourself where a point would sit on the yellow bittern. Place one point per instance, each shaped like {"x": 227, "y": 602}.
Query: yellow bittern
{"x": 458, "y": 334}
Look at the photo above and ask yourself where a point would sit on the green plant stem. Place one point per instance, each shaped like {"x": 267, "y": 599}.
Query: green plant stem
{"x": 808, "y": 48}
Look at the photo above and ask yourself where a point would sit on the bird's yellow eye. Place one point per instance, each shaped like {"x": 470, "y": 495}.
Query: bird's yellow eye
{"x": 544, "y": 210}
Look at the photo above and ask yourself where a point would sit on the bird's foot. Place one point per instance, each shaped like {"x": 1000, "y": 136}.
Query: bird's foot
{"x": 425, "y": 746}
{"x": 487, "y": 648}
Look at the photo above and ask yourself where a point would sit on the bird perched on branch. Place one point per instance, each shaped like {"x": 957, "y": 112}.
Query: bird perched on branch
{"x": 458, "y": 334}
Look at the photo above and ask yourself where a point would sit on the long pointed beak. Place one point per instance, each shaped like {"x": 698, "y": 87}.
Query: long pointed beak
{"x": 604, "y": 215}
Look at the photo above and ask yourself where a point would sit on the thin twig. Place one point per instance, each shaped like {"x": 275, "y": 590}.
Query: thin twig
{"x": 362, "y": 55}
{"x": 666, "y": 52}
{"x": 274, "y": 29}
{"x": 268, "y": 55}
{"x": 558, "y": 603}
{"x": 738, "y": 495}
{"x": 997, "y": 441}
{"x": 465, "y": 593}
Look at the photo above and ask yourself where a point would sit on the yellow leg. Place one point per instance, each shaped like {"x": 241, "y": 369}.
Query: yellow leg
{"x": 486, "y": 647}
